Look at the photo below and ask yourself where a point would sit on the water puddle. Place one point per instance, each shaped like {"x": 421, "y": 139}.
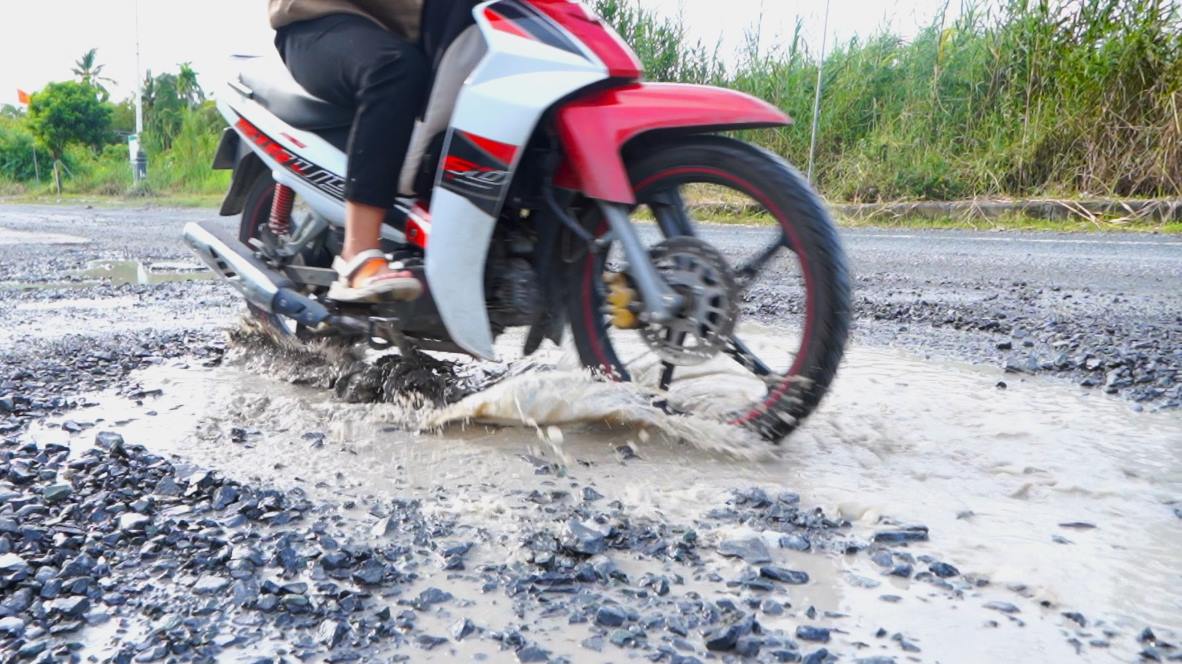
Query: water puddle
{"x": 121, "y": 273}
{"x": 1060, "y": 498}
{"x": 145, "y": 274}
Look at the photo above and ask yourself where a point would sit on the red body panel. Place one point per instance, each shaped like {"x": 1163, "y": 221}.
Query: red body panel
{"x": 595, "y": 129}
{"x": 499, "y": 22}
{"x": 616, "y": 55}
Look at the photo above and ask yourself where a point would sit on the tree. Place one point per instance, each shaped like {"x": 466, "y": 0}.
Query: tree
{"x": 89, "y": 72}
{"x": 164, "y": 111}
{"x": 68, "y": 113}
{"x": 187, "y": 86}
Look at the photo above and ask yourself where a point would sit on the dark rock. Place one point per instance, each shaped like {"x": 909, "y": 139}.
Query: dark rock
{"x": 751, "y": 549}
{"x": 133, "y": 522}
{"x": 12, "y": 627}
{"x": 225, "y": 496}
{"x": 784, "y": 575}
{"x": 914, "y": 534}
{"x": 11, "y": 563}
{"x": 814, "y": 634}
{"x": 55, "y": 493}
{"x": 748, "y": 646}
{"x": 1077, "y": 618}
{"x": 795, "y": 542}
{"x": 209, "y": 584}
{"x": 462, "y": 629}
{"x": 903, "y": 570}
{"x": 1078, "y": 525}
{"x": 532, "y": 654}
{"x": 586, "y": 538}
{"x": 943, "y": 570}
{"x": 817, "y": 657}
{"x": 1004, "y": 607}
{"x": 610, "y": 616}
{"x": 73, "y": 607}
{"x": 591, "y": 495}
{"x": 32, "y": 649}
{"x": 1146, "y": 636}
{"x": 430, "y": 597}
{"x": 370, "y": 574}
{"x": 332, "y": 633}
{"x": 723, "y": 639}
{"x": 108, "y": 440}
{"x": 428, "y": 642}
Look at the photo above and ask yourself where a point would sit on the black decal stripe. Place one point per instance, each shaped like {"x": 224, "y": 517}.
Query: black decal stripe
{"x": 538, "y": 25}
{"x": 472, "y": 173}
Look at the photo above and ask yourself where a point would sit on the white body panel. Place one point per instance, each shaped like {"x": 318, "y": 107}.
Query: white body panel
{"x": 502, "y": 100}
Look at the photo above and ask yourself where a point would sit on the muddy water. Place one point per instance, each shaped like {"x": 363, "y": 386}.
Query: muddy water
{"x": 994, "y": 473}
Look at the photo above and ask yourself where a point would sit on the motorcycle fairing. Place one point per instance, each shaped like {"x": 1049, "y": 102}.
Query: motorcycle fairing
{"x": 531, "y": 64}
{"x": 594, "y": 130}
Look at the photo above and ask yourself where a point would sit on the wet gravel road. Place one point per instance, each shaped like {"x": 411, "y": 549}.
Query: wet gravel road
{"x": 161, "y": 498}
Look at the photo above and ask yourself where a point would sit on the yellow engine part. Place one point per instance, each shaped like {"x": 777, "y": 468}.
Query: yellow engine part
{"x": 620, "y": 299}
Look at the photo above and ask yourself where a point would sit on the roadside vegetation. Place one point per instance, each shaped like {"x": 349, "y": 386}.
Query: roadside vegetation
{"x": 1033, "y": 98}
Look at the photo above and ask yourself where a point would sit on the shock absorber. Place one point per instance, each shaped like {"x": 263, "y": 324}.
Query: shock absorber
{"x": 281, "y": 205}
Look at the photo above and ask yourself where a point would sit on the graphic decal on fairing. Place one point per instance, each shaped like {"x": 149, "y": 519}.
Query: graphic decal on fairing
{"x": 324, "y": 180}
{"x": 522, "y": 20}
{"x": 478, "y": 169}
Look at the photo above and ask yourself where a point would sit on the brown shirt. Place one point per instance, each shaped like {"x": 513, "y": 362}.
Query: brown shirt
{"x": 398, "y": 16}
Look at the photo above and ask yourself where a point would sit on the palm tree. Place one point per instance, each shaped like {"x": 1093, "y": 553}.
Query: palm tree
{"x": 89, "y": 72}
{"x": 187, "y": 86}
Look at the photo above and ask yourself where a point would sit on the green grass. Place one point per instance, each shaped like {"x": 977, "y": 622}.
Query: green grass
{"x": 1005, "y": 223}
{"x": 178, "y": 200}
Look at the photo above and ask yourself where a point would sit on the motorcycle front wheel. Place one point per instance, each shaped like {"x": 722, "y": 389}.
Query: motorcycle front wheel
{"x": 782, "y": 263}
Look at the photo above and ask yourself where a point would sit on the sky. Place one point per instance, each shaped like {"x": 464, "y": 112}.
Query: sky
{"x": 43, "y": 38}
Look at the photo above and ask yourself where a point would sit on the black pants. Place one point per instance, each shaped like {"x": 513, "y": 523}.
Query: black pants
{"x": 352, "y": 62}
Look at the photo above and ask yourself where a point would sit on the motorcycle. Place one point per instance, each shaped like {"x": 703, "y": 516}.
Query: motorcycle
{"x": 548, "y": 188}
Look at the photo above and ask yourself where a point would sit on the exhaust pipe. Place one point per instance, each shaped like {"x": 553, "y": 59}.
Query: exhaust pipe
{"x": 262, "y": 286}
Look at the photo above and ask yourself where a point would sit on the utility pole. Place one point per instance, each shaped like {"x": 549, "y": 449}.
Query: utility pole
{"x": 817, "y": 99}
{"x": 139, "y": 161}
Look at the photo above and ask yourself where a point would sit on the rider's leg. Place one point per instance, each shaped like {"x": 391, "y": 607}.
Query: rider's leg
{"x": 350, "y": 61}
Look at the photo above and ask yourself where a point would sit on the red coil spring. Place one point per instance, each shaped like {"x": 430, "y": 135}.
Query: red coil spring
{"x": 281, "y": 206}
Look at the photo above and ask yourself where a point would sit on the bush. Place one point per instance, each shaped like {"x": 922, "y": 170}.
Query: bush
{"x": 1039, "y": 97}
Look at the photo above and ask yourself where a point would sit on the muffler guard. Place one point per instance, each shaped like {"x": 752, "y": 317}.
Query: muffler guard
{"x": 262, "y": 286}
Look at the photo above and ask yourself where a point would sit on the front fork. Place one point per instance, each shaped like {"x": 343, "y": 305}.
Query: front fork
{"x": 661, "y": 302}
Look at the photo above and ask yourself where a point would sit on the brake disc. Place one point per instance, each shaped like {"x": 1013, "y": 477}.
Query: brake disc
{"x": 699, "y": 273}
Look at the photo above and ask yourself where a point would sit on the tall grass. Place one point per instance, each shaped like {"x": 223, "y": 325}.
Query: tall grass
{"x": 1038, "y": 97}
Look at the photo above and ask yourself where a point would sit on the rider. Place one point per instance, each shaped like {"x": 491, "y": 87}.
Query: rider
{"x": 364, "y": 55}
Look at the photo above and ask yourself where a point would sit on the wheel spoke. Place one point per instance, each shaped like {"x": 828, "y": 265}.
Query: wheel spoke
{"x": 740, "y": 353}
{"x": 747, "y": 273}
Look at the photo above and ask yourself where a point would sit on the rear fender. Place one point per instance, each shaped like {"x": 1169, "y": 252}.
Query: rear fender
{"x": 595, "y": 129}
{"x": 247, "y": 169}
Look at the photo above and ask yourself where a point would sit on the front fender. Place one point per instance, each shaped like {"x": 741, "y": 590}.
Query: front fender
{"x": 594, "y": 129}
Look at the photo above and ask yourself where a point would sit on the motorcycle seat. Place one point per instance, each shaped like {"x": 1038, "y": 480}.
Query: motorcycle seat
{"x": 273, "y": 87}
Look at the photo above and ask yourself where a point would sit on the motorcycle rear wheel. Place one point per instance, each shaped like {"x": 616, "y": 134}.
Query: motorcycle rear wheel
{"x": 664, "y": 175}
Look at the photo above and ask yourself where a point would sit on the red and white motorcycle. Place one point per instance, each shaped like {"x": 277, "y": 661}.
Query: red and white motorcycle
{"x": 547, "y": 187}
